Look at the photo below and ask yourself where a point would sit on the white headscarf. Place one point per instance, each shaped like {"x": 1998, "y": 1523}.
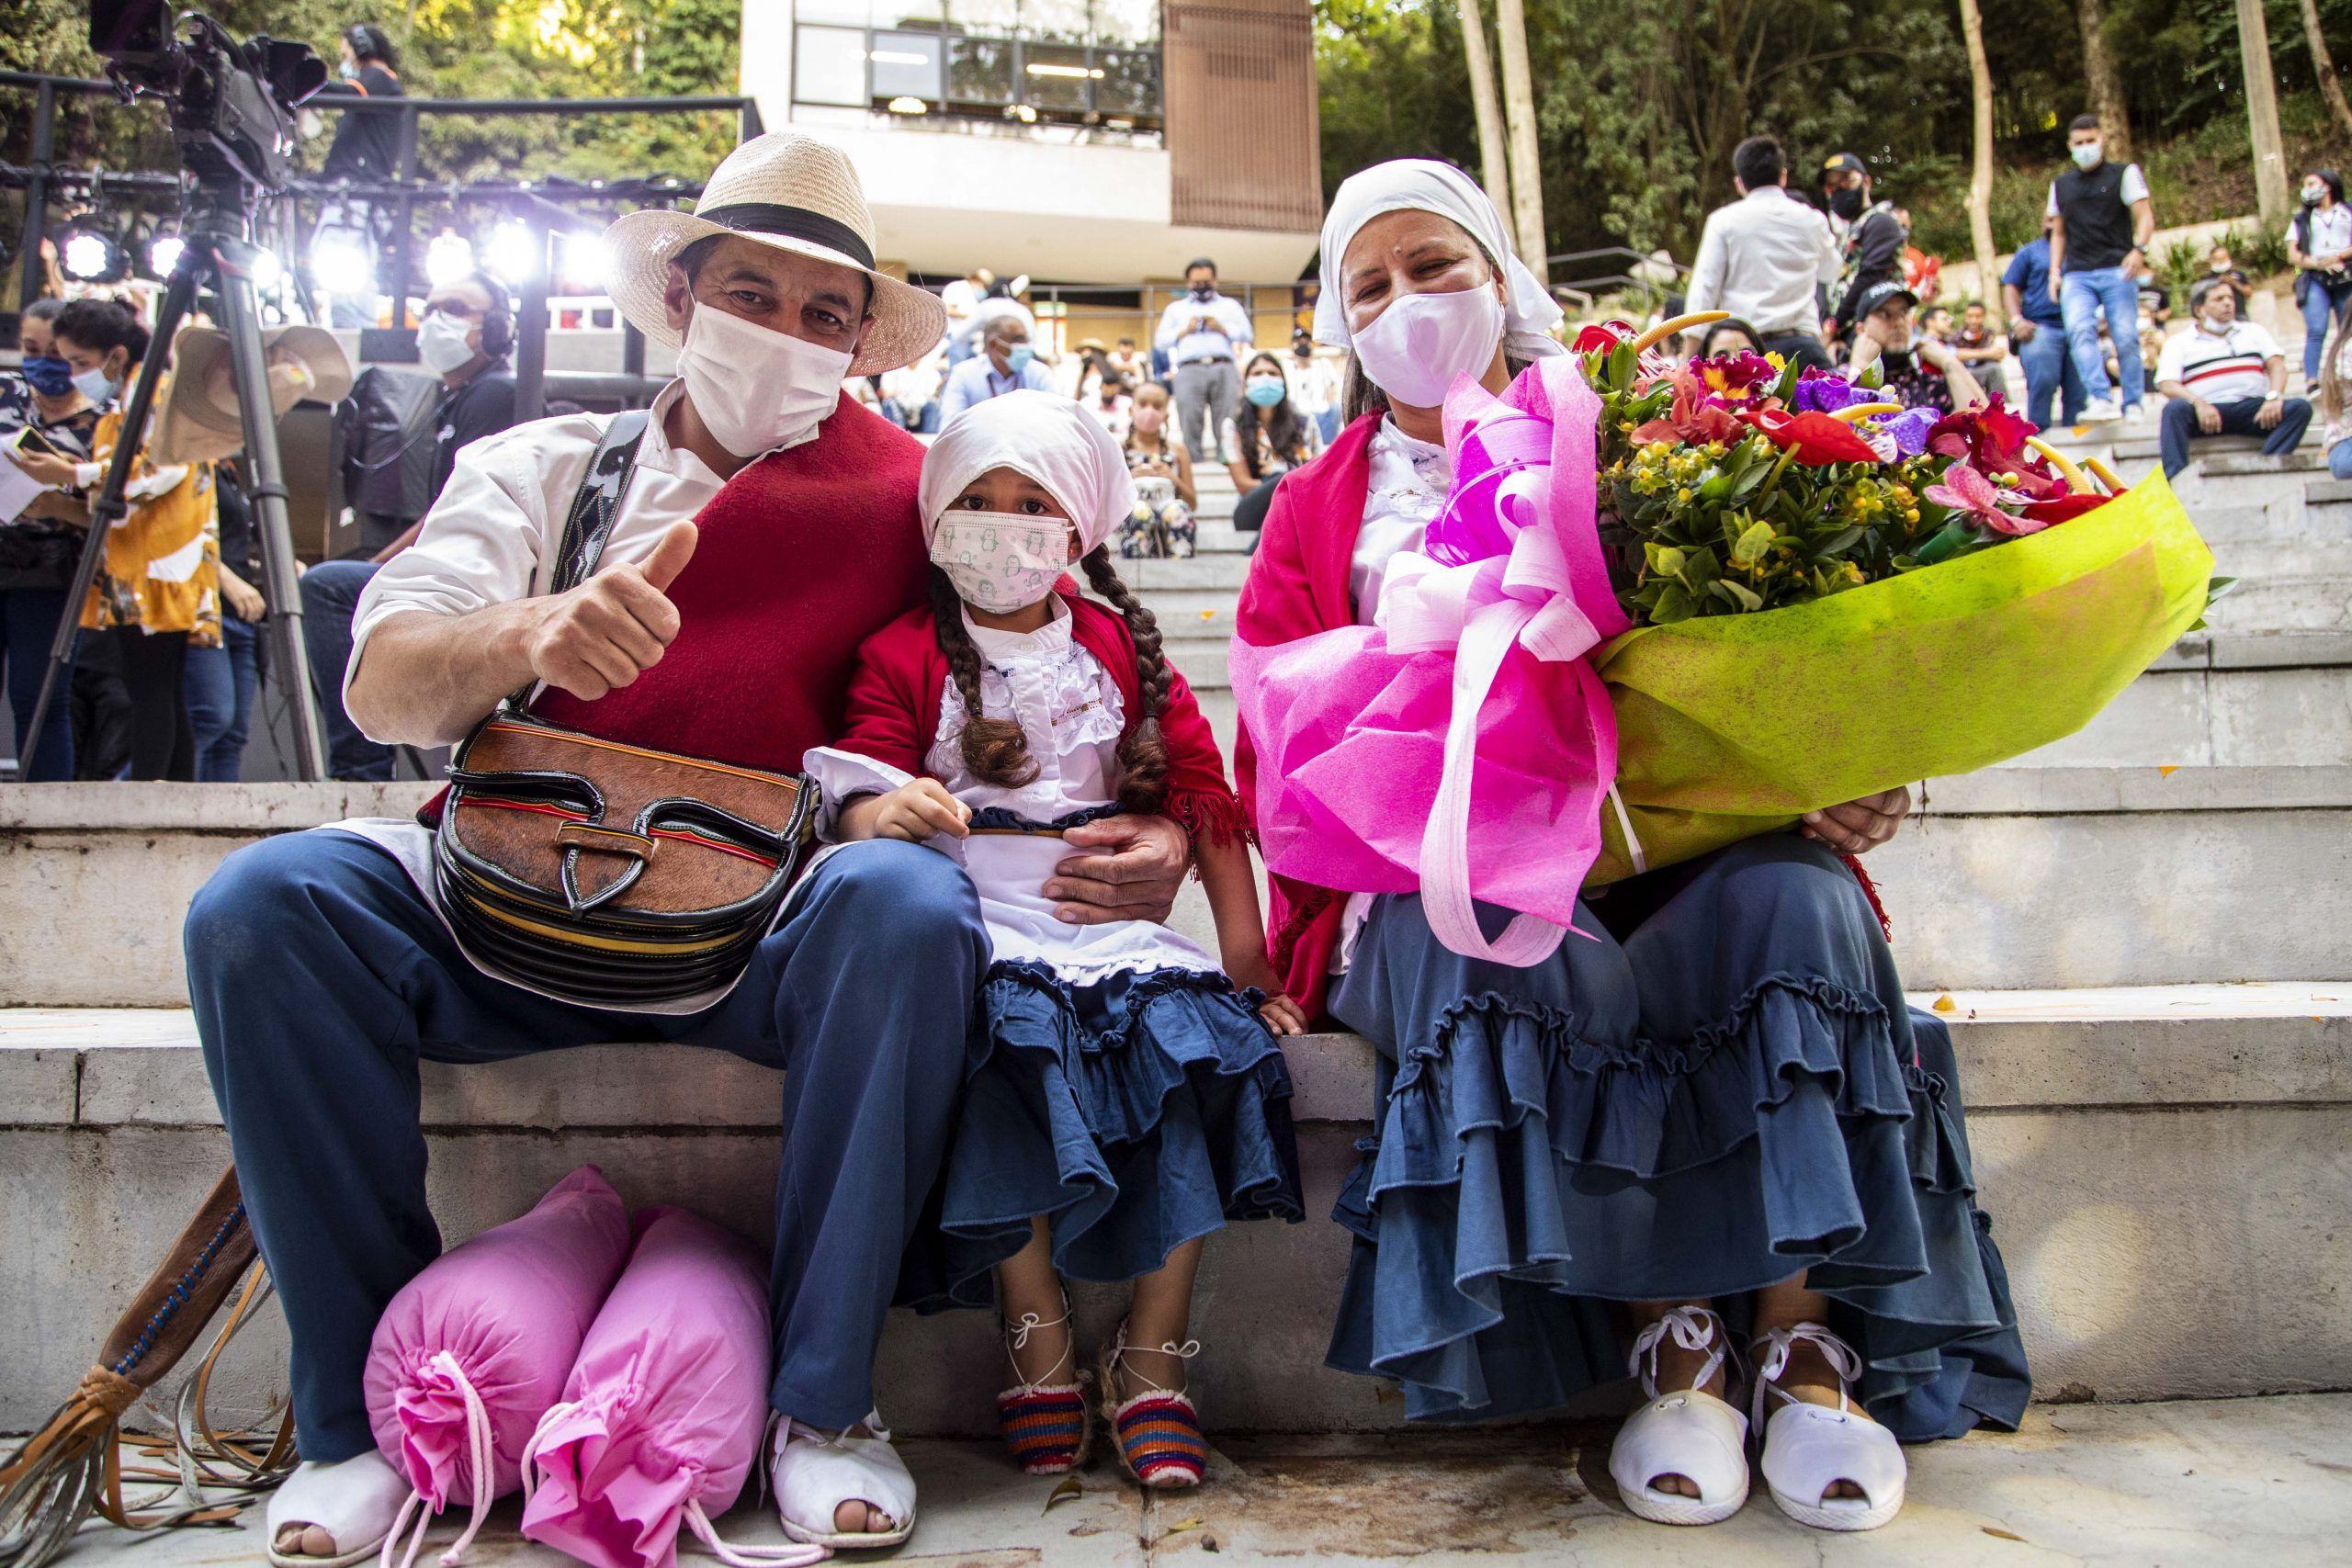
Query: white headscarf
{"x": 1421, "y": 185}
{"x": 1044, "y": 436}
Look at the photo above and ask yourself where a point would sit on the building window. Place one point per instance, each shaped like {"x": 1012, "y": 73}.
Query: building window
{"x": 1086, "y": 63}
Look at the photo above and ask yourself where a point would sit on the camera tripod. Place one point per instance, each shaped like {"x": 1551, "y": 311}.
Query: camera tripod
{"x": 216, "y": 251}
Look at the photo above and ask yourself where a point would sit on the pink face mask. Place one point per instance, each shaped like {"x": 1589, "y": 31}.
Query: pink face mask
{"x": 1148, "y": 419}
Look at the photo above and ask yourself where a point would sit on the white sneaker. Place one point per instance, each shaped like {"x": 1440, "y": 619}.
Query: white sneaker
{"x": 2095, "y": 412}
{"x": 2136, "y": 415}
{"x": 1688, "y": 1432}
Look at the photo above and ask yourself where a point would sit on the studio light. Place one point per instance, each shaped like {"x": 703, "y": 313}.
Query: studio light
{"x": 89, "y": 254}
{"x": 448, "y": 258}
{"x": 341, "y": 262}
{"x": 515, "y": 253}
{"x": 268, "y": 271}
{"x": 163, "y": 253}
{"x": 583, "y": 263}
{"x": 905, "y": 105}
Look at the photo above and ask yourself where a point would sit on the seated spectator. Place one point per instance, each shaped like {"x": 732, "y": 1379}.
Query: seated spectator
{"x": 2224, "y": 377}
{"x": 911, "y": 395}
{"x": 1006, "y": 363}
{"x": 2221, "y": 264}
{"x": 1920, "y": 375}
{"x": 1161, "y": 523}
{"x": 2155, "y": 299}
{"x": 2335, "y": 401}
{"x": 1936, "y": 322}
{"x": 1729, "y": 336}
{"x": 1111, "y": 404}
{"x": 1267, "y": 440}
{"x": 1980, "y": 348}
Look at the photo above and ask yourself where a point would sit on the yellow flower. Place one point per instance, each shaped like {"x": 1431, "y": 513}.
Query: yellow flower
{"x": 1683, "y": 494}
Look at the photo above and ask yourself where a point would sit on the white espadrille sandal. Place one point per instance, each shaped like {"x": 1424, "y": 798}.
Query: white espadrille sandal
{"x": 1810, "y": 1448}
{"x": 1688, "y": 1432}
{"x": 815, "y": 1472}
{"x": 356, "y": 1501}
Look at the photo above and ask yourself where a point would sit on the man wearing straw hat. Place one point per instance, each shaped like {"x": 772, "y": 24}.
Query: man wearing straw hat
{"x": 769, "y": 525}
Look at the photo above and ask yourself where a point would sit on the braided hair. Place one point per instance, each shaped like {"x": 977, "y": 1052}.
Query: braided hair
{"x": 995, "y": 752}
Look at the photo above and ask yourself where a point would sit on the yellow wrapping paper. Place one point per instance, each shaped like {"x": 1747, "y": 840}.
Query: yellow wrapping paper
{"x": 1732, "y": 726}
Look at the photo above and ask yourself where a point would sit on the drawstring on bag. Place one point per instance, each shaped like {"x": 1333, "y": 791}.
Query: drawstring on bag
{"x": 481, "y": 1458}
{"x": 788, "y": 1556}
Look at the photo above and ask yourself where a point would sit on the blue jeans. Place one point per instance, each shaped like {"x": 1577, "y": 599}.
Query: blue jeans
{"x": 220, "y": 683}
{"x": 2324, "y": 302}
{"x": 330, "y": 593}
{"x": 2084, "y": 296}
{"x": 2339, "y": 460}
{"x": 2050, "y": 370}
{"x": 321, "y": 979}
{"x": 2179, "y": 427}
{"x": 28, "y": 621}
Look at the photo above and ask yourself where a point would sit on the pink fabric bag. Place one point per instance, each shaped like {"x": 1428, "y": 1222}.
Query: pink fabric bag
{"x": 662, "y": 1416}
{"x": 1462, "y": 746}
{"x": 472, "y": 1351}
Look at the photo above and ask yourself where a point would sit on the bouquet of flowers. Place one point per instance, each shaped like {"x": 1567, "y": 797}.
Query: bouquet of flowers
{"x": 1834, "y": 595}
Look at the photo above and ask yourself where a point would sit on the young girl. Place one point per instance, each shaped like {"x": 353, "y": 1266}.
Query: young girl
{"x": 1125, "y": 1100}
{"x": 1161, "y": 524}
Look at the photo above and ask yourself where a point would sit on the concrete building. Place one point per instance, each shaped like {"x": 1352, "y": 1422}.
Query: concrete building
{"x": 1090, "y": 143}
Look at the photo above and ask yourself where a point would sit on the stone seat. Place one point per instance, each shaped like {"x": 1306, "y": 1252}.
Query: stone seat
{"x": 2161, "y": 1164}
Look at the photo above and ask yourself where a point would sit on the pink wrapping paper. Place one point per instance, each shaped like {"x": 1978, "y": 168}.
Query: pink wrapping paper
{"x": 1460, "y": 747}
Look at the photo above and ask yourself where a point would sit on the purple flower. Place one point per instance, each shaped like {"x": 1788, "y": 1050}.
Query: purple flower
{"x": 1909, "y": 430}
{"x": 1818, "y": 391}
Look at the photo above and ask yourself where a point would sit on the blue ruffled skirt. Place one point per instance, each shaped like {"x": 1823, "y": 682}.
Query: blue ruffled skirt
{"x": 1726, "y": 1089}
{"x": 1135, "y": 1114}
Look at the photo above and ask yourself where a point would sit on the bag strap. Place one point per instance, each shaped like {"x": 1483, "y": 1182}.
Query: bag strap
{"x": 595, "y": 508}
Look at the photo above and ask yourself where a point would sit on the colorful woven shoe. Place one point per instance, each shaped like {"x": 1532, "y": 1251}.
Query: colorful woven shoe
{"x": 1049, "y": 1427}
{"x": 1157, "y": 1431}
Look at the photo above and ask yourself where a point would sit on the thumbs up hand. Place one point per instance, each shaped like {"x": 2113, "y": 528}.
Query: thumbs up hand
{"x": 612, "y": 628}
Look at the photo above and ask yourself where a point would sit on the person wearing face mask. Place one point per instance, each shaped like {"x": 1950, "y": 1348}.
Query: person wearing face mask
{"x": 366, "y": 143}
{"x": 1647, "y": 1168}
{"x": 1314, "y": 385}
{"x": 2104, "y": 221}
{"x": 766, "y": 526}
{"x": 2319, "y": 247}
{"x": 1006, "y": 363}
{"x": 1161, "y": 527}
{"x": 2224, "y": 377}
{"x": 39, "y": 545}
{"x": 1872, "y": 238}
{"x": 1765, "y": 258}
{"x": 1204, "y": 335}
{"x": 1269, "y": 439}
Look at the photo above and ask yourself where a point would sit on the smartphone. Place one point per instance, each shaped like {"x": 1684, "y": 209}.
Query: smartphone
{"x": 31, "y": 440}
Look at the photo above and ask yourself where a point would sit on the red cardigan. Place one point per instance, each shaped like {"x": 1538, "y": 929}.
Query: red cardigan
{"x": 894, "y": 694}
{"x": 1298, "y": 586}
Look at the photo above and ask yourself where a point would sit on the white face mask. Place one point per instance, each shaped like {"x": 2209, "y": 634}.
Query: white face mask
{"x": 441, "y": 343}
{"x": 2087, "y": 155}
{"x": 1001, "y": 561}
{"x": 1414, "y": 350}
{"x": 96, "y": 384}
{"x": 757, "y": 390}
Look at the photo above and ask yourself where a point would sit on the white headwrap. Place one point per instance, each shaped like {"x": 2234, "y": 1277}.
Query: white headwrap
{"x": 1420, "y": 185}
{"x": 1044, "y": 436}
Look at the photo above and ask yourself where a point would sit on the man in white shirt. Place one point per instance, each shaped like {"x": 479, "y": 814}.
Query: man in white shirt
{"x": 2224, "y": 377}
{"x": 1205, "y": 335}
{"x": 1007, "y": 364}
{"x": 322, "y": 967}
{"x": 1764, "y": 257}
{"x": 1314, "y": 384}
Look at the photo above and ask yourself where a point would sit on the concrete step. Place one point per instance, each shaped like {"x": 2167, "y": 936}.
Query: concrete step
{"x": 2285, "y": 604}
{"x": 2116, "y": 1133}
{"x": 2146, "y": 1484}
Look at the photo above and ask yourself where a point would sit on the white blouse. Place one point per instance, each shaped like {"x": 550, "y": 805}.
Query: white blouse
{"x": 1070, "y": 710}
{"x": 1410, "y": 481}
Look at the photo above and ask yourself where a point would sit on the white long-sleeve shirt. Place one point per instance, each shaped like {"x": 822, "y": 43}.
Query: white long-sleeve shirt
{"x": 1230, "y": 334}
{"x": 1761, "y": 258}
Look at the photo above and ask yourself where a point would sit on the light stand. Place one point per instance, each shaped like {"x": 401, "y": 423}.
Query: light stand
{"x": 216, "y": 251}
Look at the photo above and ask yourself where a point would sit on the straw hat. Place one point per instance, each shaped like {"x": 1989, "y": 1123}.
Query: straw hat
{"x": 789, "y": 190}
{"x": 196, "y": 419}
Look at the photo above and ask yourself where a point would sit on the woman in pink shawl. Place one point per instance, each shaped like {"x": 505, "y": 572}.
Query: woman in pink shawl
{"x": 1718, "y": 1119}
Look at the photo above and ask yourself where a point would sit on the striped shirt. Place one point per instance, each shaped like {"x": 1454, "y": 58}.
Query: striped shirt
{"x": 2221, "y": 368}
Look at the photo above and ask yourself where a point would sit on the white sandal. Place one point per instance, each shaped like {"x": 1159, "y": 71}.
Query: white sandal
{"x": 1689, "y": 1432}
{"x": 1810, "y": 1448}
{"x": 814, "y": 1473}
{"x": 358, "y": 1501}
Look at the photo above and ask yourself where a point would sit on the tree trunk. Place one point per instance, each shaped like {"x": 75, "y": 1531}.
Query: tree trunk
{"x": 2262, "y": 110}
{"x": 2106, "y": 81}
{"x": 1979, "y": 173}
{"x": 1519, "y": 114}
{"x": 2323, "y": 67}
{"x": 1493, "y": 153}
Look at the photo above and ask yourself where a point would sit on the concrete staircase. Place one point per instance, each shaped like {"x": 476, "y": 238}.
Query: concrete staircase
{"x": 2139, "y": 935}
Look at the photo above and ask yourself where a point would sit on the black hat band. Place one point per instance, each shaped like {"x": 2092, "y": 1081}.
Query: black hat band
{"x": 795, "y": 222}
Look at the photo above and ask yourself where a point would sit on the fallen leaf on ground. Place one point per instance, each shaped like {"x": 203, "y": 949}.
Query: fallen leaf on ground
{"x": 2168, "y": 770}
{"x": 1069, "y": 1486}
{"x": 2003, "y": 1535}
{"x": 1945, "y": 1004}
{"x": 1181, "y": 1526}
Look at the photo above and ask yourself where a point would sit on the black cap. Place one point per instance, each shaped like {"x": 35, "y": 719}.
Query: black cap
{"x": 1846, "y": 163}
{"x": 1869, "y": 300}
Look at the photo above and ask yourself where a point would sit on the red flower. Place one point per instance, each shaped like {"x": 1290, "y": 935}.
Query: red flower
{"x": 1814, "y": 438}
{"x": 2060, "y": 508}
{"x": 1993, "y": 439}
{"x": 1604, "y": 336}
{"x": 1695, "y": 418}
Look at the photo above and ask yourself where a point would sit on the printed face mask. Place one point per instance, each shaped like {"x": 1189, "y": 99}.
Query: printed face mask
{"x": 756, "y": 389}
{"x": 1001, "y": 561}
{"x": 1415, "y": 349}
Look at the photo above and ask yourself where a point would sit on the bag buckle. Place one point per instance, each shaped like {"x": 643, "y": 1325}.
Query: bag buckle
{"x": 595, "y": 838}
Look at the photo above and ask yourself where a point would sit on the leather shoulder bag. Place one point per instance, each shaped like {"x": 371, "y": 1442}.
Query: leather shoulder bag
{"x": 604, "y": 873}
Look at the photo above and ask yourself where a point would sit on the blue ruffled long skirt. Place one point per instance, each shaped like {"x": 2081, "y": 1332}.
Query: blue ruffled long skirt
{"x": 1723, "y": 1090}
{"x": 1135, "y": 1114}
